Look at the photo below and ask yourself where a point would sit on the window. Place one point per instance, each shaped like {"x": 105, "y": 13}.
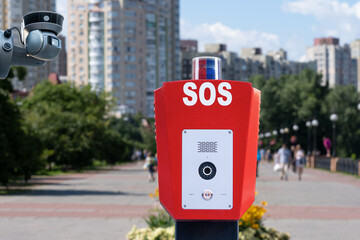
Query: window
{"x": 130, "y": 58}
{"x": 130, "y": 67}
{"x": 130, "y": 101}
{"x": 129, "y": 13}
{"x": 130, "y": 75}
{"x": 130, "y": 49}
{"x": 113, "y": 14}
{"x": 130, "y": 84}
{"x": 130, "y": 94}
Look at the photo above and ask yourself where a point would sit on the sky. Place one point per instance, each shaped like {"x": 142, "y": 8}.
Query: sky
{"x": 269, "y": 24}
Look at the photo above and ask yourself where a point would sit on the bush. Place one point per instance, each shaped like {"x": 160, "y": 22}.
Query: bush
{"x": 159, "y": 218}
{"x": 152, "y": 234}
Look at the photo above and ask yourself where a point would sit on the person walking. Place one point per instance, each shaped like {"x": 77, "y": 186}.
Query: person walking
{"x": 151, "y": 164}
{"x": 300, "y": 160}
{"x": 327, "y": 145}
{"x": 257, "y": 162}
{"x": 284, "y": 156}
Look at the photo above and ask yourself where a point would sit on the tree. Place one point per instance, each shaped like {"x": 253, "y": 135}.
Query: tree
{"x": 343, "y": 101}
{"x": 299, "y": 98}
{"x": 71, "y": 125}
{"x": 19, "y": 149}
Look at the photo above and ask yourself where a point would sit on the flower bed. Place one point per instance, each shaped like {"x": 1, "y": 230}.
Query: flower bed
{"x": 162, "y": 227}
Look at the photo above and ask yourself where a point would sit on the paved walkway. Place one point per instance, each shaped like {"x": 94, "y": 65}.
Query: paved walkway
{"x": 91, "y": 206}
{"x": 322, "y": 206}
{"x": 105, "y": 204}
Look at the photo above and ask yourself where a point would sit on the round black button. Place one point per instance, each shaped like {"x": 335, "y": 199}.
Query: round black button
{"x": 207, "y": 170}
{"x": 7, "y": 46}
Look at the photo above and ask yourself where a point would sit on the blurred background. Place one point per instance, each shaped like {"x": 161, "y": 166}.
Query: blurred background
{"x": 93, "y": 105}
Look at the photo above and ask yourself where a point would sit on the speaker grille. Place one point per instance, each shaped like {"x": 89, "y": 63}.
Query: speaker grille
{"x": 207, "y": 147}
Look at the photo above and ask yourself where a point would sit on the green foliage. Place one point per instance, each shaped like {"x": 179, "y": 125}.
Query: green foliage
{"x": 71, "y": 126}
{"x": 129, "y": 128}
{"x": 290, "y": 99}
{"x": 262, "y": 233}
{"x": 151, "y": 234}
{"x": 295, "y": 99}
{"x": 136, "y": 130}
{"x": 343, "y": 101}
{"x": 20, "y": 72}
{"x": 159, "y": 218}
{"x": 19, "y": 149}
{"x": 148, "y": 135}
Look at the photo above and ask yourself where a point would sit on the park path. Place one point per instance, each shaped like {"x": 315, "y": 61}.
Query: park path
{"x": 97, "y": 205}
{"x": 323, "y": 206}
{"x": 105, "y": 204}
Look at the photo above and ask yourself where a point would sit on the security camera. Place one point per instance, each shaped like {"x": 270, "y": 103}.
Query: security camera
{"x": 39, "y": 30}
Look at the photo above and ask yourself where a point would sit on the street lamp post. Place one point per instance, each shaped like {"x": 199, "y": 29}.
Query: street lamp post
{"x": 282, "y": 134}
{"x": 334, "y": 118}
{"x": 275, "y": 132}
{"x": 308, "y": 125}
{"x": 296, "y": 129}
{"x": 286, "y": 131}
{"x": 315, "y": 123}
{"x": 358, "y": 107}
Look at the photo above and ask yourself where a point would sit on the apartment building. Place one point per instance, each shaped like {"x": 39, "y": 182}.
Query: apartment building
{"x": 355, "y": 56}
{"x": 334, "y": 62}
{"x": 125, "y": 47}
{"x": 251, "y": 62}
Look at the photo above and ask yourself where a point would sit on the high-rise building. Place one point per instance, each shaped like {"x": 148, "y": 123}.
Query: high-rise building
{"x": 188, "y": 45}
{"x": 355, "y": 55}
{"x": 11, "y": 14}
{"x": 215, "y": 48}
{"x": 62, "y": 58}
{"x": 125, "y": 47}
{"x": 333, "y": 62}
{"x": 280, "y": 54}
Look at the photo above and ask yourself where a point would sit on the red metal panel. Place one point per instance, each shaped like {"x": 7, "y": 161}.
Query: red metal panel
{"x": 172, "y": 116}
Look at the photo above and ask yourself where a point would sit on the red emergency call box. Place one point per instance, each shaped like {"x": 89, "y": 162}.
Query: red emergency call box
{"x": 207, "y": 134}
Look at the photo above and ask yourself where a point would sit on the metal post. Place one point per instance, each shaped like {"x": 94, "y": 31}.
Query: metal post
{"x": 334, "y": 139}
{"x": 309, "y": 142}
{"x": 205, "y": 230}
{"x": 314, "y": 140}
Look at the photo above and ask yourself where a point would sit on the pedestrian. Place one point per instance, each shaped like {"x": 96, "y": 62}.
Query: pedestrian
{"x": 151, "y": 165}
{"x": 283, "y": 156}
{"x": 327, "y": 145}
{"x": 257, "y": 162}
{"x": 138, "y": 155}
{"x": 262, "y": 153}
{"x": 300, "y": 160}
{"x": 269, "y": 156}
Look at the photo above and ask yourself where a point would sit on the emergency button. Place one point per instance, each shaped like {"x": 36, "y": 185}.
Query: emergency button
{"x": 207, "y": 195}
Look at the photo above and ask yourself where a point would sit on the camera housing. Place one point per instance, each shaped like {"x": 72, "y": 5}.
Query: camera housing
{"x": 45, "y": 21}
{"x": 39, "y": 30}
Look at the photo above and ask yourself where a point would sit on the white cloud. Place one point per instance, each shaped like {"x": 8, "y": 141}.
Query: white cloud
{"x": 303, "y": 58}
{"x": 333, "y": 17}
{"x": 235, "y": 39}
{"x": 295, "y": 45}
